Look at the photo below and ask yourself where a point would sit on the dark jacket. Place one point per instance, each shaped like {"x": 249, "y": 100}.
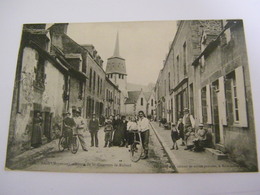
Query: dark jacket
{"x": 93, "y": 125}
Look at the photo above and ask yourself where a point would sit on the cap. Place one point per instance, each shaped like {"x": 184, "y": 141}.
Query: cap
{"x": 186, "y": 109}
{"x": 201, "y": 125}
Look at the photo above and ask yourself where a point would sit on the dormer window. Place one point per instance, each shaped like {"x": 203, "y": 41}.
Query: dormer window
{"x": 94, "y": 53}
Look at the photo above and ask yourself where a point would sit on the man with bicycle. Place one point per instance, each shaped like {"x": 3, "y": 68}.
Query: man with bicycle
{"x": 143, "y": 127}
{"x": 68, "y": 125}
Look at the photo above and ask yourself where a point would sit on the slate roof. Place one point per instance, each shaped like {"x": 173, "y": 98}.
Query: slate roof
{"x": 132, "y": 97}
{"x": 116, "y": 65}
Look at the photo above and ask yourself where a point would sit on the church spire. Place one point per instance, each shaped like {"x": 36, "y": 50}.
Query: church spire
{"x": 116, "y": 51}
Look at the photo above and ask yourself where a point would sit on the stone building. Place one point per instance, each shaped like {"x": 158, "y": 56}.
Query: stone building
{"x": 73, "y": 55}
{"x": 112, "y": 99}
{"x": 96, "y": 83}
{"x": 206, "y": 70}
{"x": 85, "y": 59}
{"x": 39, "y": 86}
{"x": 174, "y": 87}
{"x": 223, "y": 92}
{"x": 140, "y": 101}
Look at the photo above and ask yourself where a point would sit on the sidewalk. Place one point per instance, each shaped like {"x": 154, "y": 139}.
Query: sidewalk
{"x": 31, "y": 156}
{"x": 186, "y": 161}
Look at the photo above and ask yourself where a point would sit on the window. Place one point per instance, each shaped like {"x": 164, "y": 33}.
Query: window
{"x": 142, "y": 101}
{"x": 94, "y": 81}
{"x": 101, "y": 83}
{"x": 165, "y": 87}
{"x": 169, "y": 81}
{"x": 98, "y": 85}
{"x": 122, "y": 76}
{"x": 39, "y": 72}
{"x": 191, "y": 100}
{"x": 119, "y": 76}
{"x": 184, "y": 59}
{"x": 80, "y": 96}
{"x": 235, "y": 99}
{"x": 177, "y": 67}
{"x": 204, "y": 105}
{"x": 90, "y": 79}
{"x": 151, "y": 102}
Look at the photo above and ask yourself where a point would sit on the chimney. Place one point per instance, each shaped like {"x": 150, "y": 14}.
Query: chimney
{"x": 59, "y": 28}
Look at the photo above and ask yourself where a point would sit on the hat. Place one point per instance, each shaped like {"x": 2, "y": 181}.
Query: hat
{"x": 173, "y": 124}
{"x": 67, "y": 112}
{"x": 186, "y": 109}
{"x": 201, "y": 125}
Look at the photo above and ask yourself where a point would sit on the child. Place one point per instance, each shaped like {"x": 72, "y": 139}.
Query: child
{"x": 175, "y": 136}
{"x": 180, "y": 128}
{"x": 131, "y": 126}
{"x": 108, "y": 133}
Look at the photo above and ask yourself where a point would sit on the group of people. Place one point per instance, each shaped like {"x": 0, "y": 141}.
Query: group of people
{"x": 194, "y": 140}
{"x": 118, "y": 131}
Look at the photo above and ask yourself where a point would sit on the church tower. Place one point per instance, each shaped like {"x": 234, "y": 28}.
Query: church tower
{"x": 116, "y": 72}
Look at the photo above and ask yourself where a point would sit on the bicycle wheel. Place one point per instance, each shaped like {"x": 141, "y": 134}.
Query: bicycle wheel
{"x": 74, "y": 145}
{"x": 62, "y": 144}
{"x": 136, "y": 151}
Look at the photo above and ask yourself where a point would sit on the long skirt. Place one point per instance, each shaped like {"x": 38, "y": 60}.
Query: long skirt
{"x": 190, "y": 139}
{"x": 36, "y": 136}
{"x": 118, "y": 137}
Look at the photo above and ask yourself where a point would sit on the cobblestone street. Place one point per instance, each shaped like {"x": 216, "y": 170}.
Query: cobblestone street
{"x": 100, "y": 160}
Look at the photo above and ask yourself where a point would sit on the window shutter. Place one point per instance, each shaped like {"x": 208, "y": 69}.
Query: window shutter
{"x": 241, "y": 96}
{"x": 209, "y": 121}
{"x": 200, "y": 106}
{"x": 229, "y": 103}
{"x": 222, "y": 102}
{"x": 204, "y": 105}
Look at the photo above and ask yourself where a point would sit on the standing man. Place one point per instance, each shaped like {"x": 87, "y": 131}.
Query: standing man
{"x": 188, "y": 122}
{"x": 143, "y": 126}
{"x": 80, "y": 129}
{"x": 93, "y": 127}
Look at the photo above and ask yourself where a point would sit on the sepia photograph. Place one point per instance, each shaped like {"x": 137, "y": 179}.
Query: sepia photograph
{"x": 133, "y": 97}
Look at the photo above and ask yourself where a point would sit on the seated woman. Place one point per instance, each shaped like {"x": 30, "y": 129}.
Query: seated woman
{"x": 190, "y": 136}
{"x": 201, "y": 138}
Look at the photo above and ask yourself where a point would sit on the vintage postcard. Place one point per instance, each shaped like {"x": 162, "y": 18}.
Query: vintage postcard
{"x": 133, "y": 97}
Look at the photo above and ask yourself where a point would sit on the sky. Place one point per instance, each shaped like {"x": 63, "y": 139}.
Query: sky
{"x": 144, "y": 45}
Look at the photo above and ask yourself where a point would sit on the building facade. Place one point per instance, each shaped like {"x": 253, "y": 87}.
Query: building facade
{"x": 224, "y": 93}
{"x": 206, "y": 70}
{"x": 39, "y": 84}
{"x": 55, "y": 75}
{"x": 112, "y": 98}
{"x": 140, "y": 101}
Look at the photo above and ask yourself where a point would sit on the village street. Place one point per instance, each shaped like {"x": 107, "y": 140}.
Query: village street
{"x": 100, "y": 160}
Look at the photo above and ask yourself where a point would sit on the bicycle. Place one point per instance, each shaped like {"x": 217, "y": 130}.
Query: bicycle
{"x": 136, "y": 148}
{"x": 73, "y": 146}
